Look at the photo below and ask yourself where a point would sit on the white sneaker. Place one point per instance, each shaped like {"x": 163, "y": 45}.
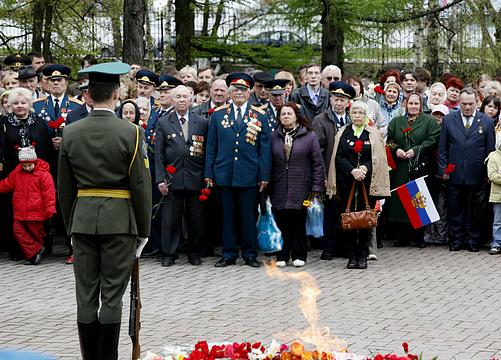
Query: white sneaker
{"x": 298, "y": 263}
{"x": 372, "y": 257}
{"x": 281, "y": 263}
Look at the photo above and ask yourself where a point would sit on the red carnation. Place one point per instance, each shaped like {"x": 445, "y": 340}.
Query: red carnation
{"x": 56, "y": 124}
{"x": 450, "y": 168}
{"x": 378, "y": 89}
{"x": 358, "y": 146}
{"x": 205, "y": 191}
{"x": 202, "y": 198}
{"x": 170, "y": 169}
{"x": 144, "y": 125}
{"x": 406, "y": 347}
{"x": 408, "y": 129}
{"x": 211, "y": 111}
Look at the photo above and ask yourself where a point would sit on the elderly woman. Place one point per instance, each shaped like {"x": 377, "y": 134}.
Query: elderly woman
{"x": 454, "y": 85}
{"x": 144, "y": 111}
{"x": 22, "y": 128}
{"x": 437, "y": 96}
{"x": 390, "y": 102}
{"x": 359, "y": 158}
{"x": 129, "y": 111}
{"x": 412, "y": 138}
{"x": 492, "y": 88}
{"x": 297, "y": 172}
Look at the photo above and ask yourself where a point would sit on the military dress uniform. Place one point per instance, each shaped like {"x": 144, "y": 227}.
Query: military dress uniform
{"x": 105, "y": 195}
{"x": 238, "y": 157}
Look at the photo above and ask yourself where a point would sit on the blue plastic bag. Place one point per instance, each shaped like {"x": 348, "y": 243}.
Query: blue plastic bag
{"x": 269, "y": 236}
{"x": 315, "y": 219}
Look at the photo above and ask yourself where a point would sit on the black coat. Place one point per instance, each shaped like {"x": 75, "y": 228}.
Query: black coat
{"x": 202, "y": 110}
{"x": 39, "y": 133}
{"x": 292, "y": 183}
{"x": 308, "y": 109}
{"x": 188, "y": 157}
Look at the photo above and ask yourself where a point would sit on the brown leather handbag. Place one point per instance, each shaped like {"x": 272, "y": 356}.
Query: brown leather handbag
{"x": 358, "y": 220}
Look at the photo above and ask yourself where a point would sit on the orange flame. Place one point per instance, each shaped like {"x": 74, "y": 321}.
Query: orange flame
{"x": 314, "y": 334}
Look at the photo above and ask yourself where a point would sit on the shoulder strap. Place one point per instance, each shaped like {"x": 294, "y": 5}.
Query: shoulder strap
{"x": 135, "y": 150}
{"x": 352, "y": 192}
{"x": 367, "y": 207}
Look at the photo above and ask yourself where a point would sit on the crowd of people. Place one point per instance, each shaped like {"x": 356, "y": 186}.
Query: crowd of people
{"x": 217, "y": 145}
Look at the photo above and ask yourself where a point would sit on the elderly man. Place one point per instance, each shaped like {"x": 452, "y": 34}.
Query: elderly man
{"x": 28, "y": 79}
{"x": 147, "y": 80}
{"x": 330, "y": 73}
{"x": 466, "y": 138}
{"x": 276, "y": 88}
{"x": 180, "y": 142}
{"x": 326, "y": 126}
{"x": 238, "y": 160}
{"x": 260, "y": 95}
{"x": 312, "y": 98}
{"x": 218, "y": 97}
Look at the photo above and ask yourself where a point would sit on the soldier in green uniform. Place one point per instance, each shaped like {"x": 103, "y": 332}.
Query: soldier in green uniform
{"x": 105, "y": 194}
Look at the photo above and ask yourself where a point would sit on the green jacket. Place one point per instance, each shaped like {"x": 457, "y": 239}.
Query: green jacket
{"x": 104, "y": 152}
{"x": 494, "y": 174}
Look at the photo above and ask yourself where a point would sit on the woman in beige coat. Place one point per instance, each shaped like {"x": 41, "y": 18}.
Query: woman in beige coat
{"x": 494, "y": 174}
{"x": 359, "y": 156}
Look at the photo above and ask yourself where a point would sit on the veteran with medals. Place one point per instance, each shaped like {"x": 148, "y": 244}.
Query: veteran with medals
{"x": 238, "y": 160}
{"x": 180, "y": 143}
{"x": 104, "y": 189}
{"x": 276, "y": 88}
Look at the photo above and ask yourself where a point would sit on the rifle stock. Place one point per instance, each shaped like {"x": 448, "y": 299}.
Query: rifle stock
{"x": 135, "y": 311}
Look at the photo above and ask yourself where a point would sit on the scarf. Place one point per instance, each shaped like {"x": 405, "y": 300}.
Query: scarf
{"x": 24, "y": 127}
{"x": 357, "y": 130}
{"x": 289, "y": 138}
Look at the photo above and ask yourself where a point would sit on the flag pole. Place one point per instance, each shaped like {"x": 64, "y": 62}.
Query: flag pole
{"x": 419, "y": 178}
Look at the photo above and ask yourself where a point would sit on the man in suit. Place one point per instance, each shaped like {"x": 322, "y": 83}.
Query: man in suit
{"x": 180, "y": 142}
{"x": 218, "y": 96}
{"x": 84, "y": 109}
{"x": 466, "y": 138}
{"x": 105, "y": 197}
{"x": 238, "y": 161}
{"x": 312, "y": 98}
{"x": 326, "y": 126}
{"x": 276, "y": 88}
{"x": 28, "y": 79}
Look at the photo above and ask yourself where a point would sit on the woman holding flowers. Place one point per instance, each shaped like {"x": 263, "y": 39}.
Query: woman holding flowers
{"x": 297, "y": 173}
{"x": 411, "y": 138}
{"x": 359, "y": 158}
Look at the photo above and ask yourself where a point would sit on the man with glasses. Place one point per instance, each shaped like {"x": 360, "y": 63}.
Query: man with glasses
{"x": 330, "y": 73}
{"x": 312, "y": 98}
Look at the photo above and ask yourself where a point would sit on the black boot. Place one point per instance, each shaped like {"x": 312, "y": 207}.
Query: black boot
{"x": 110, "y": 334}
{"x": 89, "y": 335}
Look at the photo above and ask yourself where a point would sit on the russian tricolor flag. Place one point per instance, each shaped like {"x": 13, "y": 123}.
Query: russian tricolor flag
{"x": 418, "y": 203}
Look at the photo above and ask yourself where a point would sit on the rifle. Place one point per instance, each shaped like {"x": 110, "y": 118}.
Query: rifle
{"x": 135, "y": 311}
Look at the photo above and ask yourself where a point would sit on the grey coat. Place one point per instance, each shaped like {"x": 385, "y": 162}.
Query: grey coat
{"x": 291, "y": 183}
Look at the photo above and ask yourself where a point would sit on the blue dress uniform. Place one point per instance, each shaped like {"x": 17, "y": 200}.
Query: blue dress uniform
{"x": 276, "y": 87}
{"x": 238, "y": 156}
{"x": 44, "y": 107}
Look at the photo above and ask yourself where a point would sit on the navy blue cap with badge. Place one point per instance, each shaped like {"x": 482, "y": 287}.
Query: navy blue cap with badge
{"x": 56, "y": 71}
{"x": 167, "y": 82}
{"x": 106, "y": 72}
{"x": 276, "y": 86}
{"x": 147, "y": 77}
{"x": 15, "y": 61}
{"x": 340, "y": 88}
{"x": 240, "y": 80}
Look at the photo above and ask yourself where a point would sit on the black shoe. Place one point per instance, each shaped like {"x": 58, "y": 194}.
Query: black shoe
{"x": 362, "y": 263}
{"x": 352, "y": 264}
{"x": 421, "y": 245}
{"x": 168, "y": 261}
{"x": 473, "y": 248}
{"x": 195, "y": 260}
{"x": 454, "y": 248}
{"x": 89, "y": 335}
{"x": 35, "y": 259}
{"x": 110, "y": 334}
{"x": 224, "y": 262}
{"x": 326, "y": 255}
{"x": 151, "y": 254}
{"x": 252, "y": 261}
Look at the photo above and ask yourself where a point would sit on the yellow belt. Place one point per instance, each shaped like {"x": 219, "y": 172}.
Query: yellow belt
{"x": 111, "y": 193}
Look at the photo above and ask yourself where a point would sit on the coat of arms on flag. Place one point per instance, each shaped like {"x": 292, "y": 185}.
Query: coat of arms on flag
{"x": 417, "y": 202}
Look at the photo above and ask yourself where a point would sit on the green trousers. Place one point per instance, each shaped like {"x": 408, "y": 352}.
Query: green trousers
{"x": 102, "y": 265}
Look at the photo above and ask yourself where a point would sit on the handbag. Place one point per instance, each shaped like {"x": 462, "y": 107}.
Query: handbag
{"x": 358, "y": 220}
{"x": 418, "y": 166}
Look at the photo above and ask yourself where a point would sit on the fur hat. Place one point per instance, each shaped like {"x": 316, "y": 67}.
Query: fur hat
{"x": 27, "y": 154}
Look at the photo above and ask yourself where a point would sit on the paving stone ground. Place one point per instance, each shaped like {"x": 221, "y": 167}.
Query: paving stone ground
{"x": 444, "y": 304}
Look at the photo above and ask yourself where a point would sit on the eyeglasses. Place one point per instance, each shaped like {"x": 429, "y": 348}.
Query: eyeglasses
{"x": 330, "y": 78}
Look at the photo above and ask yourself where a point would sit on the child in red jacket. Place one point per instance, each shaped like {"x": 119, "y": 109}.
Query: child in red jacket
{"x": 34, "y": 201}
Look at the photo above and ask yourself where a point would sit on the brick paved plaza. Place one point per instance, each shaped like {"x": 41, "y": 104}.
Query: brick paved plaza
{"x": 442, "y": 303}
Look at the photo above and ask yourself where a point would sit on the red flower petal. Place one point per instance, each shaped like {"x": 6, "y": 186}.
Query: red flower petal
{"x": 406, "y": 347}
{"x": 170, "y": 169}
{"x": 202, "y": 198}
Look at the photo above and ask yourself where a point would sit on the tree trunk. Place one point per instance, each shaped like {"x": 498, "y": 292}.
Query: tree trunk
{"x": 49, "y": 11}
{"x": 116, "y": 26}
{"x": 38, "y": 16}
{"x": 432, "y": 47}
{"x": 217, "y": 20}
{"x": 332, "y": 36}
{"x": 168, "y": 32}
{"x": 205, "y": 24}
{"x": 133, "y": 47}
{"x": 184, "y": 19}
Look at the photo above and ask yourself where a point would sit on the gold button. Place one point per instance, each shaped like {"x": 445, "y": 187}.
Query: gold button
{"x": 236, "y": 158}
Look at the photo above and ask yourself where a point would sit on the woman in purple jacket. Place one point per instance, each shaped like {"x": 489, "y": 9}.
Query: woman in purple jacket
{"x": 297, "y": 172}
